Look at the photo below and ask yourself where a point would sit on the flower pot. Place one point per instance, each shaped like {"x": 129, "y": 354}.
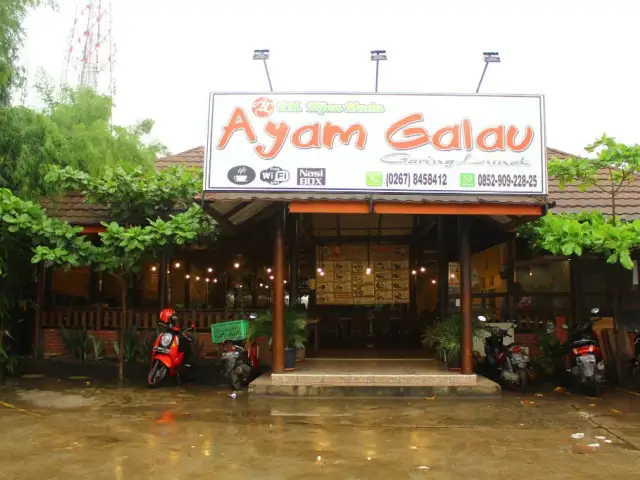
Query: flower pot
{"x": 290, "y": 359}
{"x": 454, "y": 363}
{"x": 301, "y": 354}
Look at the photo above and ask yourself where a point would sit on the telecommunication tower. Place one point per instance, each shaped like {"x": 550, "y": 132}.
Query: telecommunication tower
{"x": 90, "y": 58}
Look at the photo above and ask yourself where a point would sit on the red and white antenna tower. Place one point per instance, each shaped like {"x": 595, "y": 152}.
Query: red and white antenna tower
{"x": 90, "y": 58}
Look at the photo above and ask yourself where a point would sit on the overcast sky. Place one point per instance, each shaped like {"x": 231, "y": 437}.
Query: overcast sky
{"x": 581, "y": 54}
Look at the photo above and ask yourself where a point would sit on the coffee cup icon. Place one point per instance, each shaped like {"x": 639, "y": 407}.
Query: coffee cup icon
{"x": 241, "y": 178}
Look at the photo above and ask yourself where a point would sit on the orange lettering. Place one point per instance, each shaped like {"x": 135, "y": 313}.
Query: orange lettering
{"x": 468, "y": 134}
{"x": 512, "y": 133}
{"x": 418, "y": 136}
{"x": 331, "y": 131}
{"x": 238, "y": 121}
{"x": 439, "y": 138}
{"x": 494, "y": 133}
{"x": 313, "y": 142}
{"x": 279, "y": 133}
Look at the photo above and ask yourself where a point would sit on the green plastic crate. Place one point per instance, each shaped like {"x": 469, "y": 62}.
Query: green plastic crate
{"x": 231, "y": 330}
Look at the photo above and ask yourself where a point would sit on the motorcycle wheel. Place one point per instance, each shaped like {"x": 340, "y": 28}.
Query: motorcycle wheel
{"x": 593, "y": 387}
{"x": 524, "y": 381}
{"x": 157, "y": 373}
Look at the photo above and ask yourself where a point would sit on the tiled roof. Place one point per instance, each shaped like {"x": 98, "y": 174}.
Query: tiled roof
{"x": 572, "y": 200}
{"x": 72, "y": 208}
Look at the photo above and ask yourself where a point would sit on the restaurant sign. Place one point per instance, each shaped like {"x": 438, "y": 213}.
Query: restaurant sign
{"x": 376, "y": 143}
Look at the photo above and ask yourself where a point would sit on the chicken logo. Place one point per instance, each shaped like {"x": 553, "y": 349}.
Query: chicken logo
{"x": 263, "y": 107}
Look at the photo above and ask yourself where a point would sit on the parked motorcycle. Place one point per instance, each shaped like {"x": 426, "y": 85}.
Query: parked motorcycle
{"x": 169, "y": 349}
{"x": 634, "y": 364}
{"x": 508, "y": 364}
{"x": 239, "y": 363}
{"x": 585, "y": 355}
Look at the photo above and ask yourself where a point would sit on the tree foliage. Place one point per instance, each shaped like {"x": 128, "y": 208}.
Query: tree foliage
{"x": 12, "y": 16}
{"x": 73, "y": 129}
{"x": 614, "y": 168}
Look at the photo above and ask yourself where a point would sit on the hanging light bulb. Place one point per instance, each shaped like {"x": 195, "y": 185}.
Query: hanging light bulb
{"x": 261, "y": 285}
{"x": 433, "y": 281}
{"x": 319, "y": 269}
{"x": 271, "y": 277}
{"x": 209, "y": 269}
{"x": 268, "y": 270}
{"x": 285, "y": 281}
{"x": 322, "y": 273}
{"x": 368, "y": 271}
{"x": 177, "y": 265}
{"x": 187, "y": 276}
{"x": 198, "y": 278}
{"x": 215, "y": 280}
{"x": 422, "y": 269}
{"x": 413, "y": 272}
{"x": 207, "y": 280}
{"x": 236, "y": 265}
{"x": 153, "y": 269}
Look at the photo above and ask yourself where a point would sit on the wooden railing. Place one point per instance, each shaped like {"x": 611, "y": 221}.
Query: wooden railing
{"x": 97, "y": 318}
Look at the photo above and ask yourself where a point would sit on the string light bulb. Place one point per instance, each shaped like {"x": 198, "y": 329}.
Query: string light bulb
{"x": 268, "y": 270}
{"x": 368, "y": 271}
{"x": 209, "y": 269}
{"x": 422, "y": 269}
{"x": 153, "y": 269}
{"x": 187, "y": 276}
{"x": 198, "y": 278}
{"x": 215, "y": 280}
{"x": 236, "y": 265}
{"x": 413, "y": 272}
{"x": 177, "y": 265}
{"x": 433, "y": 281}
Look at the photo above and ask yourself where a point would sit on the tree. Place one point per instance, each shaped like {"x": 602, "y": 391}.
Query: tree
{"x": 12, "y": 16}
{"x": 152, "y": 213}
{"x": 73, "y": 129}
{"x": 614, "y": 168}
{"x": 24, "y": 225}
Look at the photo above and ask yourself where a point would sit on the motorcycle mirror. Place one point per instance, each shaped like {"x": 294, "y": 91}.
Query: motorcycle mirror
{"x": 595, "y": 310}
{"x": 565, "y": 326}
{"x": 193, "y": 326}
{"x": 482, "y": 318}
{"x": 253, "y": 316}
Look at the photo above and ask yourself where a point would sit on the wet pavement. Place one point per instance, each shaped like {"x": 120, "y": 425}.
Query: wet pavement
{"x": 73, "y": 429}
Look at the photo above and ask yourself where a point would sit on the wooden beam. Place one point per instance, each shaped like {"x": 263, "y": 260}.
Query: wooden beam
{"x": 329, "y": 207}
{"x": 220, "y": 218}
{"x": 457, "y": 209}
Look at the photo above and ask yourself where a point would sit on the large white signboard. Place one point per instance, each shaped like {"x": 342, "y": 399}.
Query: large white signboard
{"x": 376, "y": 143}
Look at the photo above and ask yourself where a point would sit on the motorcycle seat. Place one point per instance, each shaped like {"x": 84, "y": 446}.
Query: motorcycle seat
{"x": 584, "y": 341}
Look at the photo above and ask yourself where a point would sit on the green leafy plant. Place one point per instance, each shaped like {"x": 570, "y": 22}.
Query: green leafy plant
{"x": 295, "y": 328}
{"x": 130, "y": 344}
{"x": 552, "y": 354}
{"x": 97, "y": 347}
{"x": 446, "y": 337}
{"x": 145, "y": 346}
{"x": 77, "y": 342}
{"x": 8, "y": 360}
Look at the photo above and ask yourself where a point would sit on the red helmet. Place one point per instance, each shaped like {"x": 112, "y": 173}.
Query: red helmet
{"x": 167, "y": 315}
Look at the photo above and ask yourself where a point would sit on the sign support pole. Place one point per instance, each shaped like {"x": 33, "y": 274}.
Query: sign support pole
{"x": 464, "y": 255}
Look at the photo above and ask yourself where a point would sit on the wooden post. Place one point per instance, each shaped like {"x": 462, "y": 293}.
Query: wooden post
{"x": 511, "y": 285}
{"x": 42, "y": 273}
{"x": 278, "y": 343}
{"x": 187, "y": 284}
{"x": 464, "y": 250}
{"x": 443, "y": 271}
{"x": 162, "y": 282}
{"x": 294, "y": 252}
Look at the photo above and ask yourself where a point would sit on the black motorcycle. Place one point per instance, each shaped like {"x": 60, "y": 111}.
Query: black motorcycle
{"x": 586, "y": 359}
{"x": 236, "y": 365}
{"x": 507, "y": 364}
{"x": 634, "y": 364}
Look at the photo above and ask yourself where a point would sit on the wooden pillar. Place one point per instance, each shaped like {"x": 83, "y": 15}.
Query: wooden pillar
{"x": 575, "y": 284}
{"x": 294, "y": 253}
{"x": 512, "y": 301}
{"x": 278, "y": 344}
{"x": 443, "y": 271}
{"x": 162, "y": 282}
{"x": 464, "y": 250}
{"x": 42, "y": 273}
{"x": 187, "y": 284}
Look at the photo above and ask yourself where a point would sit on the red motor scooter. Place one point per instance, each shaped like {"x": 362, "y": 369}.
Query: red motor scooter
{"x": 169, "y": 349}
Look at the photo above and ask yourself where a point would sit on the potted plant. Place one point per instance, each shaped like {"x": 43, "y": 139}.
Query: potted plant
{"x": 295, "y": 335}
{"x": 446, "y": 337}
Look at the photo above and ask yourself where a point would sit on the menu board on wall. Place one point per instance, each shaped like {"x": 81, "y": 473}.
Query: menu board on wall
{"x": 345, "y": 280}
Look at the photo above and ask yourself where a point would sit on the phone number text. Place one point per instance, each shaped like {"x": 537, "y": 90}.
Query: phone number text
{"x": 508, "y": 181}
{"x": 394, "y": 179}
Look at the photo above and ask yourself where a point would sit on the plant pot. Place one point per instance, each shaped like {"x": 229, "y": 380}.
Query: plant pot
{"x": 290, "y": 359}
{"x": 454, "y": 364}
{"x": 301, "y": 354}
